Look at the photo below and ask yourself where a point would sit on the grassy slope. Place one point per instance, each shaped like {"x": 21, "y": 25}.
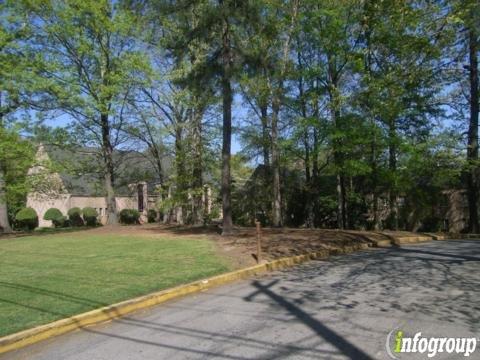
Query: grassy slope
{"x": 45, "y": 278}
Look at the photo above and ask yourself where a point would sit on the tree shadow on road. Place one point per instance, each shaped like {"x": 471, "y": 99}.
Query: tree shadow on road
{"x": 343, "y": 345}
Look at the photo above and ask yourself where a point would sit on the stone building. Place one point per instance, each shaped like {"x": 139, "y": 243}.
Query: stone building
{"x": 65, "y": 179}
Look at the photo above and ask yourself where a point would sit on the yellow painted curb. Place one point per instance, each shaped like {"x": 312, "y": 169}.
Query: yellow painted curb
{"x": 30, "y": 336}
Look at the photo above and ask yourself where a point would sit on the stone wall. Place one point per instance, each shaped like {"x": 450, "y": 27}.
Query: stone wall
{"x": 42, "y": 203}
{"x": 66, "y": 201}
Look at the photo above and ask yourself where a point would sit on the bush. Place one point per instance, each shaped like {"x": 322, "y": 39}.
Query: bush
{"x": 27, "y": 218}
{"x": 55, "y": 216}
{"x": 152, "y": 216}
{"x": 75, "y": 216}
{"x": 90, "y": 216}
{"x": 129, "y": 216}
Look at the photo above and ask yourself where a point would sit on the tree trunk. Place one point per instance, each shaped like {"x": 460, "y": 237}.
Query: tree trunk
{"x": 227, "y": 130}
{"x": 276, "y": 103}
{"x": 338, "y": 158}
{"x": 392, "y": 166}
{"x": 181, "y": 186}
{"x": 158, "y": 163}
{"x": 197, "y": 183}
{"x": 341, "y": 216}
{"x": 373, "y": 164}
{"x": 309, "y": 213}
{"x": 265, "y": 136}
{"x": 277, "y": 199}
{"x": 472, "y": 150}
{"x": 309, "y": 201}
{"x": 368, "y": 23}
{"x": 4, "y": 223}
{"x": 107, "y": 150}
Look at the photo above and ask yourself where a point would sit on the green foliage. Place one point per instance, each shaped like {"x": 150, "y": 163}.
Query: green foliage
{"x": 26, "y": 218}
{"x": 75, "y": 216}
{"x": 152, "y": 215}
{"x": 90, "y": 216}
{"x": 129, "y": 216}
{"x": 56, "y": 216}
{"x": 344, "y": 97}
{"x": 16, "y": 156}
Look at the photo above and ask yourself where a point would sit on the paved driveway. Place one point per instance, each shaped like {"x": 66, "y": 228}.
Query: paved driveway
{"x": 343, "y": 308}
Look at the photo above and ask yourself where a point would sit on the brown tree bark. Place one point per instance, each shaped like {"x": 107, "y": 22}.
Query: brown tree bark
{"x": 227, "y": 128}
{"x": 197, "y": 172}
{"x": 277, "y": 200}
{"x": 472, "y": 150}
{"x": 4, "y": 223}
{"x": 107, "y": 151}
{"x": 180, "y": 167}
{"x": 392, "y": 166}
{"x": 265, "y": 136}
{"x": 338, "y": 158}
{"x": 278, "y": 93}
{"x": 374, "y": 174}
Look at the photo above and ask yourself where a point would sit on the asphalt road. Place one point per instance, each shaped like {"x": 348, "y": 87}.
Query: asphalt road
{"x": 342, "y": 308}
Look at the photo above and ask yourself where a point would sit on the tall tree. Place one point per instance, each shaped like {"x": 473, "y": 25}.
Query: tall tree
{"x": 17, "y": 85}
{"x": 93, "y": 63}
{"x": 217, "y": 26}
{"x": 472, "y": 26}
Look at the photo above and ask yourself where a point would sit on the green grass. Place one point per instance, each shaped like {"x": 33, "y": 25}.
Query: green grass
{"x": 52, "y": 230}
{"x": 46, "y": 278}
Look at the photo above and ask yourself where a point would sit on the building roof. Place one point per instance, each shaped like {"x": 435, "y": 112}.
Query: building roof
{"x": 80, "y": 169}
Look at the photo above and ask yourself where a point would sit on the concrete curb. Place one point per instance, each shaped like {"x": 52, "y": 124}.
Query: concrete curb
{"x": 30, "y": 336}
{"x": 454, "y": 236}
{"x": 402, "y": 240}
{"x": 420, "y": 238}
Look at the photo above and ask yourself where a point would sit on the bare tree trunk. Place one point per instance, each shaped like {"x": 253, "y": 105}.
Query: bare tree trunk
{"x": 309, "y": 220}
{"x": 341, "y": 210}
{"x": 181, "y": 186}
{"x": 158, "y": 163}
{"x": 197, "y": 183}
{"x": 472, "y": 150}
{"x": 277, "y": 200}
{"x": 265, "y": 136}
{"x": 373, "y": 161}
{"x": 309, "y": 201}
{"x": 4, "y": 223}
{"x": 227, "y": 129}
{"x": 276, "y": 103}
{"x": 368, "y": 17}
{"x": 338, "y": 158}
{"x": 107, "y": 150}
{"x": 392, "y": 165}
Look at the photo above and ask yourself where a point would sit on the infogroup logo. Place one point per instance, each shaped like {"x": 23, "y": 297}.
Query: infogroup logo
{"x": 397, "y": 343}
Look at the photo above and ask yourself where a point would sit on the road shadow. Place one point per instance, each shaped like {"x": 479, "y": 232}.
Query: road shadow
{"x": 340, "y": 343}
{"x": 438, "y": 281}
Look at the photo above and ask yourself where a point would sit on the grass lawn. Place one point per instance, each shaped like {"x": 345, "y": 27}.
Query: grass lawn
{"x": 46, "y": 278}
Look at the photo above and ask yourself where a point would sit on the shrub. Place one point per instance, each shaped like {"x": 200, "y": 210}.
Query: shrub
{"x": 129, "y": 216}
{"x": 90, "y": 216}
{"x": 27, "y": 218}
{"x": 152, "y": 216}
{"x": 75, "y": 216}
{"x": 55, "y": 216}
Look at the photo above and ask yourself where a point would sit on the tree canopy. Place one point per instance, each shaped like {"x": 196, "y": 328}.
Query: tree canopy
{"x": 350, "y": 114}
